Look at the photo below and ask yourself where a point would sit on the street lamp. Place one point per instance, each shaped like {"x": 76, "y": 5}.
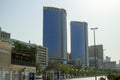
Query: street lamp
{"x": 95, "y": 55}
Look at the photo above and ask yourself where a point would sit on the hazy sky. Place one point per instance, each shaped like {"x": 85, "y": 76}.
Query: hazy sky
{"x": 24, "y": 20}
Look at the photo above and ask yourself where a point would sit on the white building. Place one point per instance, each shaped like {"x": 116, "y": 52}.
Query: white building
{"x": 42, "y": 56}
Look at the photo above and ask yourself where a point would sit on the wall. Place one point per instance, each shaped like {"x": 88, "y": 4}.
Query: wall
{"x": 5, "y": 54}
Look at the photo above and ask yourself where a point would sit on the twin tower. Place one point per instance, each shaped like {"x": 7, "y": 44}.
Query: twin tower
{"x": 55, "y": 36}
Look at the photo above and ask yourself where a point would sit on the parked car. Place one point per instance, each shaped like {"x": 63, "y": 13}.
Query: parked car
{"x": 39, "y": 77}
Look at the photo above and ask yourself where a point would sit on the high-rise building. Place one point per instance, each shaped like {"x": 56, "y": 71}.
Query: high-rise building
{"x": 99, "y": 55}
{"x": 55, "y": 33}
{"x": 79, "y": 42}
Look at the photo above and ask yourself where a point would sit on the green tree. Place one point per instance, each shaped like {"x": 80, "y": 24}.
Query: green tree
{"x": 38, "y": 69}
{"x": 29, "y": 50}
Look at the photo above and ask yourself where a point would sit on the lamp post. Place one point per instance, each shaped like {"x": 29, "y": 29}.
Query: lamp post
{"x": 95, "y": 55}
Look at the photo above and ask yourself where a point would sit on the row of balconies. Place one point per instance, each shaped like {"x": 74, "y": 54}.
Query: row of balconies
{"x": 19, "y": 62}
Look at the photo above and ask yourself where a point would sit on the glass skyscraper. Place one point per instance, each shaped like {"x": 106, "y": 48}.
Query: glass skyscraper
{"x": 55, "y": 33}
{"x": 79, "y": 42}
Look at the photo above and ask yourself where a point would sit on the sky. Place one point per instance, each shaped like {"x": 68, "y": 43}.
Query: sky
{"x": 24, "y": 20}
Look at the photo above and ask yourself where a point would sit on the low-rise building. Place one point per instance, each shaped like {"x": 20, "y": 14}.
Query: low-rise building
{"x": 5, "y": 54}
{"x": 4, "y": 35}
{"x": 109, "y": 65}
{"x": 14, "y": 70}
{"x": 107, "y": 59}
{"x": 41, "y": 56}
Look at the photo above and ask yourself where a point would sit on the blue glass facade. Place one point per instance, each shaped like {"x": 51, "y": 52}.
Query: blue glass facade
{"x": 79, "y": 41}
{"x": 55, "y": 32}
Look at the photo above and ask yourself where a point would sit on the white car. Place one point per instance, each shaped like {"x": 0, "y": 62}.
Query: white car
{"x": 39, "y": 77}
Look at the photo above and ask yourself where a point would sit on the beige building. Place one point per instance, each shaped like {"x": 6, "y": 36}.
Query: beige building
{"x": 42, "y": 53}
{"x": 42, "y": 56}
{"x": 10, "y": 71}
{"x": 4, "y": 35}
{"x": 5, "y": 54}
